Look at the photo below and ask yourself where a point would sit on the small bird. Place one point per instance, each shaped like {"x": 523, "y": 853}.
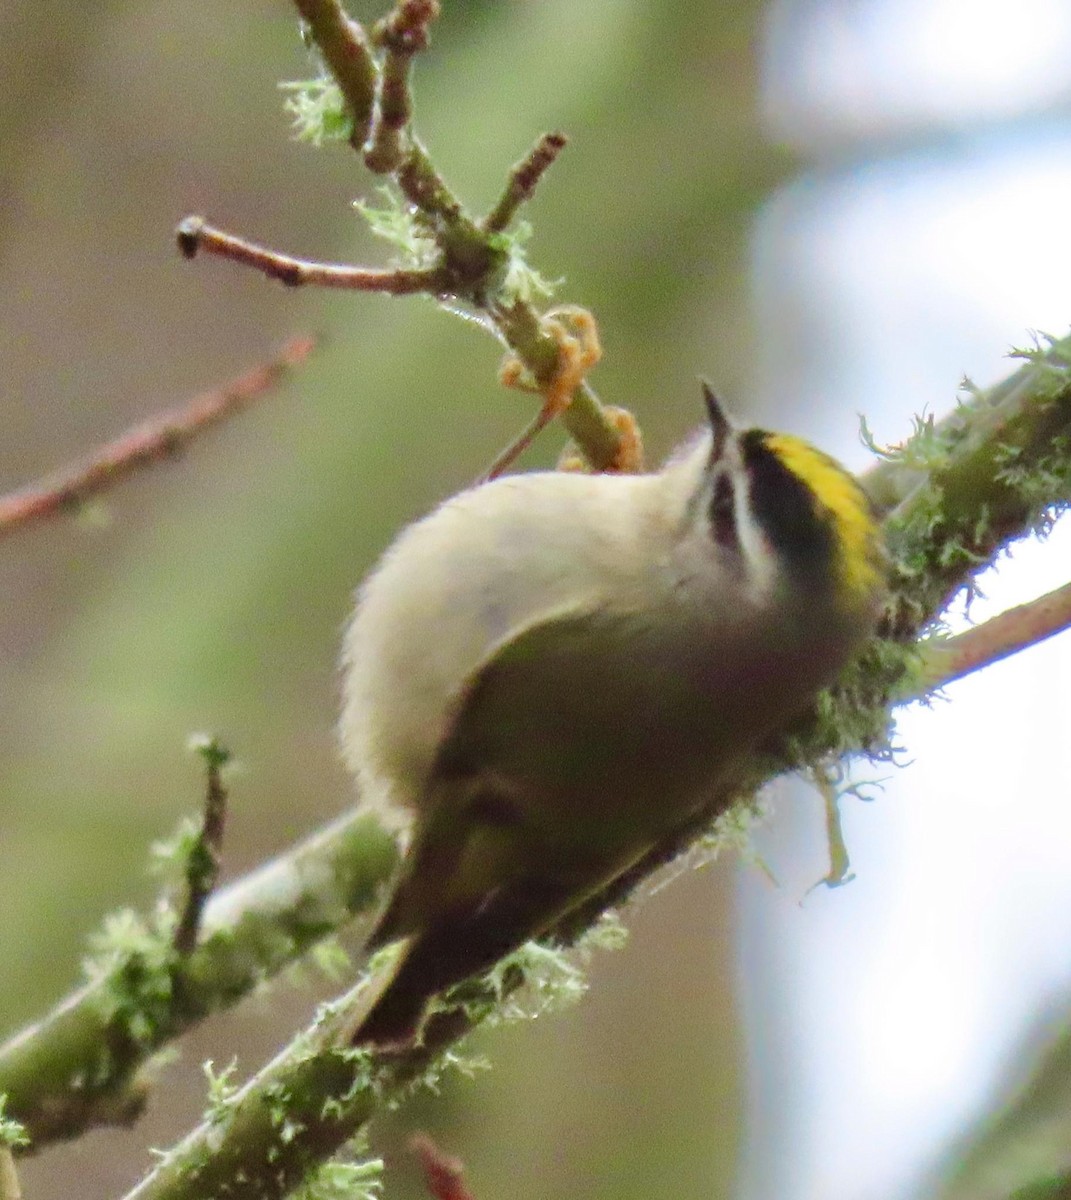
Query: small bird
{"x": 553, "y": 671}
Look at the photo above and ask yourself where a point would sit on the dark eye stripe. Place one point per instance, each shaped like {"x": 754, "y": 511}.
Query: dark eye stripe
{"x": 787, "y": 512}
{"x": 722, "y": 511}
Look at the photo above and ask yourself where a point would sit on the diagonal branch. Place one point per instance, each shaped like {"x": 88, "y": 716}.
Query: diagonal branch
{"x": 249, "y": 931}
{"x": 158, "y": 440}
{"x": 523, "y": 179}
{"x": 947, "y": 659}
{"x": 326, "y": 1093}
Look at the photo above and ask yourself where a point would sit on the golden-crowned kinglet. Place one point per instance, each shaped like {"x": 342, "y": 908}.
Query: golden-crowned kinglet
{"x": 551, "y": 672}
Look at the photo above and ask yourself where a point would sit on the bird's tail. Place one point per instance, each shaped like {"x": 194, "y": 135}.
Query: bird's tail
{"x": 392, "y": 1009}
{"x": 450, "y": 951}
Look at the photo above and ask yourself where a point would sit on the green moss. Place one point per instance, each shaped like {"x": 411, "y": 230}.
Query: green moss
{"x": 317, "y": 110}
{"x": 13, "y": 1133}
{"x": 348, "y": 1176}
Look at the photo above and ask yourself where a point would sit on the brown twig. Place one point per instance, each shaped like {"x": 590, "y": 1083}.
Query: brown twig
{"x": 194, "y": 234}
{"x": 345, "y": 50}
{"x": 443, "y": 1175}
{"x": 203, "y": 860}
{"x": 576, "y": 335}
{"x": 402, "y": 33}
{"x": 404, "y": 30}
{"x": 509, "y": 454}
{"x": 1001, "y": 636}
{"x": 523, "y": 179}
{"x": 156, "y": 440}
{"x": 473, "y": 261}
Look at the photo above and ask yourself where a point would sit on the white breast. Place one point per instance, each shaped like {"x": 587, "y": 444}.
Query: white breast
{"x": 459, "y": 582}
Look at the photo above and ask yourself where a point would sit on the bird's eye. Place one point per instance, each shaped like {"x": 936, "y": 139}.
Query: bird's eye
{"x": 722, "y": 511}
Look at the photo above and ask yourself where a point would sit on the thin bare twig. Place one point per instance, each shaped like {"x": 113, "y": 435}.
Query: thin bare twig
{"x": 156, "y": 440}
{"x": 345, "y": 49}
{"x": 443, "y": 1175}
{"x": 1003, "y": 635}
{"x": 523, "y": 178}
{"x": 506, "y": 457}
{"x": 402, "y": 33}
{"x": 194, "y": 234}
{"x": 203, "y": 860}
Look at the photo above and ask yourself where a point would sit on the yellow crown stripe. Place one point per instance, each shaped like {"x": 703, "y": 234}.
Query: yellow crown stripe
{"x": 846, "y": 505}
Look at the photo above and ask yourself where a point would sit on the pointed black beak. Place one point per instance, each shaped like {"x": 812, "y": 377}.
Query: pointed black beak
{"x": 720, "y": 425}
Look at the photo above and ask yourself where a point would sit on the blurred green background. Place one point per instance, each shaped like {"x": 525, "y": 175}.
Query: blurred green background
{"x": 212, "y": 593}
{"x": 747, "y": 194}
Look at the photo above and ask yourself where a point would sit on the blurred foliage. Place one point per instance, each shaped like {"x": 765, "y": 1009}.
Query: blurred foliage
{"x": 1021, "y": 1147}
{"x": 214, "y": 596}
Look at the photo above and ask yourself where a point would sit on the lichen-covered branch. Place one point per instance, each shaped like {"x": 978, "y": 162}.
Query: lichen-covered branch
{"x": 320, "y": 1094}
{"x": 78, "y": 1066}
{"x": 267, "y": 1137}
{"x": 460, "y": 258}
{"x": 264, "y": 1139}
{"x": 966, "y": 487}
{"x": 344, "y": 46}
{"x": 160, "y": 439}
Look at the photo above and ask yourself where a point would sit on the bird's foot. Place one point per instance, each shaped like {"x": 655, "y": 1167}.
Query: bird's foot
{"x": 579, "y": 349}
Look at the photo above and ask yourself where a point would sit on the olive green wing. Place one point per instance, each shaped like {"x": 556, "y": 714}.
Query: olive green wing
{"x": 490, "y": 866}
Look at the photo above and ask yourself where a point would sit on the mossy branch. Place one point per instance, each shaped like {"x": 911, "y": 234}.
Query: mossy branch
{"x": 79, "y": 1065}
{"x": 455, "y": 256}
{"x": 323, "y": 1094}
{"x": 62, "y": 1075}
{"x": 319, "y": 1093}
{"x": 964, "y": 488}
{"x": 958, "y": 492}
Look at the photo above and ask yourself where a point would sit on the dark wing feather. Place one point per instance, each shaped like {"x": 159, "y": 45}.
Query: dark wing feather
{"x": 490, "y": 866}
